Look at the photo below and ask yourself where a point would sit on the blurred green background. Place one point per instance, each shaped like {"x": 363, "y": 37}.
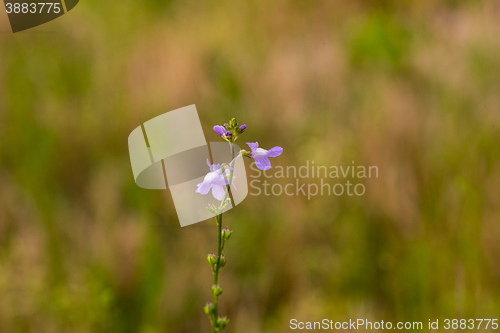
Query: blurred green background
{"x": 412, "y": 87}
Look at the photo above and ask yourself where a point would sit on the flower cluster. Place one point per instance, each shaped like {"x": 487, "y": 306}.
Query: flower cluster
{"x": 220, "y": 176}
{"x": 219, "y": 179}
{"x": 231, "y": 131}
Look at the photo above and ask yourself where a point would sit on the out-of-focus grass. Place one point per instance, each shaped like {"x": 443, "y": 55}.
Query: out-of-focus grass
{"x": 412, "y": 87}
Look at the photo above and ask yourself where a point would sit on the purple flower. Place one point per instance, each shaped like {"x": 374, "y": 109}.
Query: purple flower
{"x": 261, "y": 156}
{"x": 242, "y": 128}
{"x": 229, "y": 134}
{"x": 219, "y": 130}
{"x": 215, "y": 180}
{"x": 226, "y": 125}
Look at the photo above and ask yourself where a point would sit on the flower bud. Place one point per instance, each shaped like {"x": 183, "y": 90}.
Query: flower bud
{"x": 243, "y": 152}
{"x": 216, "y": 290}
{"x": 226, "y": 233}
{"x": 209, "y": 308}
{"x": 229, "y": 134}
{"x": 222, "y": 261}
{"x": 212, "y": 259}
{"x": 219, "y": 129}
{"x": 226, "y": 125}
{"x": 222, "y": 322}
{"x": 243, "y": 128}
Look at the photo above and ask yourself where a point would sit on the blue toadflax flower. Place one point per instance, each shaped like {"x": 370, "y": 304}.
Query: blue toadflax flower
{"x": 216, "y": 180}
{"x": 261, "y": 156}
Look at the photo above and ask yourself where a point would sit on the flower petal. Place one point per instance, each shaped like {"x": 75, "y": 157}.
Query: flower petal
{"x": 275, "y": 151}
{"x": 259, "y": 152}
{"x": 219, "y": 129}
{"x": 218, "y": 192}
{"x": 203, "y": 187}
{"x": 253, "y": 145}
{"x": 262, "y": 162}
{"x": 220, "y": 180}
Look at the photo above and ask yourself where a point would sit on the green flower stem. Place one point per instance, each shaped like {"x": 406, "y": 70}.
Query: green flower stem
{"x": 231, "y": 173}
{"x": 220, "y": 246}
{"x": 218, "y": 219}
{"x": 212, "y": 323}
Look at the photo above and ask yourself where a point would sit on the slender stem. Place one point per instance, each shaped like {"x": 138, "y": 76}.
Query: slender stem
{"x": 231, "y": 173}
{"x": 218, "y": 219}
{"x": 212, "y": 323}
{"x": 220, "y": 247}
